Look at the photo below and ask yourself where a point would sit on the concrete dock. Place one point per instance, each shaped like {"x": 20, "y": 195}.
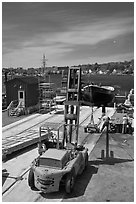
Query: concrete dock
{"x": 25, "y": 132}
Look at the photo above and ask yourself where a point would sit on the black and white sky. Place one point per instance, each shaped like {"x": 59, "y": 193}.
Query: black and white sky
{"x": 68, "y": 33}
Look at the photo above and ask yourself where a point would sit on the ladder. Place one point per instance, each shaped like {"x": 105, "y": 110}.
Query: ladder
{"x": 72, "y": 105}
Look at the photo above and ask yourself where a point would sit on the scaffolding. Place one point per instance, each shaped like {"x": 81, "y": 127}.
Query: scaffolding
{"x": 46, "y": 93}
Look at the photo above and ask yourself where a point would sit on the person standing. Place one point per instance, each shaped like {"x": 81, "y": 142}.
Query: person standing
{"x": 106, "y": 120}
{"x": 130, "y": 129}
{"x": 41, "y": 148}
{"x": 124, "y": 124}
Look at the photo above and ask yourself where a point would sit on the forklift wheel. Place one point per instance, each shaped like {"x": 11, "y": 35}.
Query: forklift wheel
{"x": 85, "y": 129}
{"x": 86, "y": 161}
{"x": 69, "y": 183}
{"x": 31, "y": 179}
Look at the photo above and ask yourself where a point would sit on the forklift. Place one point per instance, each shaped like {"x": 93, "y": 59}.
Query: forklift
{"x": 60, "y": 166}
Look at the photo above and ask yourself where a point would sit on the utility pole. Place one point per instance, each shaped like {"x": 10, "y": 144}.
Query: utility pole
{"x": 44, "y": 63}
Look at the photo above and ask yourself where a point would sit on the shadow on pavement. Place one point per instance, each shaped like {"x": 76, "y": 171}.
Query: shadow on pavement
{"x": 82, "y": 181}
{"x": 4, "y": 176}
{"x": 110, "y": 161}
{"x": 19, "y": 152}
{"x": 54, "y": 195}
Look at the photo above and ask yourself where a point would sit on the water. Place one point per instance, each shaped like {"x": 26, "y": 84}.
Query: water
{"x": 125, "y": 82}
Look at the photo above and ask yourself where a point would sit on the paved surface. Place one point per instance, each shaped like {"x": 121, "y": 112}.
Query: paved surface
{"x": 15, "y": 170}
{"x": 26, "y": 131}
{"x": 109, "y": 180}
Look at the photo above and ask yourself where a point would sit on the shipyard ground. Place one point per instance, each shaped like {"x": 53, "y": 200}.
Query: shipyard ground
{"x": 104, "y": 180}
{"x": 108, "y": 180}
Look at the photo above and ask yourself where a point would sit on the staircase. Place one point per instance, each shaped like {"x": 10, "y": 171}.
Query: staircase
{"x": 16, "y": 110}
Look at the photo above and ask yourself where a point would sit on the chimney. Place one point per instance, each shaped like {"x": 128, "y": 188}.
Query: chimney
{"x": 6, "y": 78}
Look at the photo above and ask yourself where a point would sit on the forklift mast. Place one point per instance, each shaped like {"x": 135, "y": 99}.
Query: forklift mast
{"x": 72, "y": 105}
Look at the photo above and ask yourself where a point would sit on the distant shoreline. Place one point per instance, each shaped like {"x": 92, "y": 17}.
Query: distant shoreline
{"x": 125, "y": 82}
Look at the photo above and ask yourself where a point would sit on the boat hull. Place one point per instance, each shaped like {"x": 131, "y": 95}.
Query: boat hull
{"x": 97, "y": 96}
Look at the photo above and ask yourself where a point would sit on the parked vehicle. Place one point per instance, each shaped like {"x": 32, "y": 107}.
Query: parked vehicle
{"x": 58, "y": 167}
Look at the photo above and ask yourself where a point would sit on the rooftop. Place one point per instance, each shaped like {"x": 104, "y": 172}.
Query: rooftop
{"x": 26, "y": 79}
{"x": 54, "y": 154}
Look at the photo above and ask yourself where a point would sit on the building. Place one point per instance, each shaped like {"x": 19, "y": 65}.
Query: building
{"x": 22, "y": 89}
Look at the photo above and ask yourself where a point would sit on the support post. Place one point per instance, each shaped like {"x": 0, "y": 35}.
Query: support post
{"x": 58, "y": 139}
{"x": 40, "y": 135}
{"x": 114, "y": 105}
{"x": 107, "y": 141}
{"x": 103, "y": 110}
{"x": 40, "y": 143}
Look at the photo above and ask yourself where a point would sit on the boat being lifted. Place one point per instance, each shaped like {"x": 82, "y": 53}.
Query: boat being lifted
{"x": 97, "y": 95}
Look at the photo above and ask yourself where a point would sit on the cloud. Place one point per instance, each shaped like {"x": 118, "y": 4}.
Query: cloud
{"x": 64, "y": 30}
{"x": 59, "y": 26}
{"x": 94, "y": 33}
{"x": 81, "y": 35}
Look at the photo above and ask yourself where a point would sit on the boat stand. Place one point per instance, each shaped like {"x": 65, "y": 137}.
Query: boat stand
{"x": 91, "y": 127}
{"x": 108, "y": 157}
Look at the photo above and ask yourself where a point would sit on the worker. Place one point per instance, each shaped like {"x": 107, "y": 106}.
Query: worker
{"x": 129, "y": 126}
{"x": 44, "y": 147}
{"x": 124, "y": 124}
{"x": 41, "y": 148}
{"x": 106, "y": 120}
{"x": 127, "y": 102}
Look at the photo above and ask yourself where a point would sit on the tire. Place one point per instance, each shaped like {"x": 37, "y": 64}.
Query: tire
{"x": 69, "y": 182}
{"x": 86, "y": 161}
{"x": 31, "y": 179}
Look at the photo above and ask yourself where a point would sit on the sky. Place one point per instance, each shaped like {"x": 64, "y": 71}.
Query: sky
{"x": 68, "y": 33}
